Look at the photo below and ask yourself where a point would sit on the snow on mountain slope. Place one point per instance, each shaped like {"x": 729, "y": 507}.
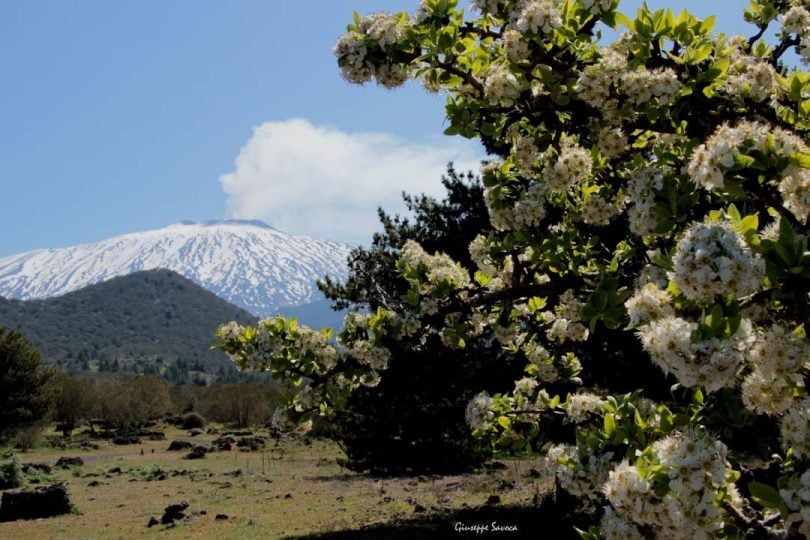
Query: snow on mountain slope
{"x": 245, "y": 262}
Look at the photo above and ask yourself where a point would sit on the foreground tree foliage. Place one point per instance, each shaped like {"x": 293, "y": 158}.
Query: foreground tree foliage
{"x": 413, "y": 420}
{"x": 25, "y": 396}
{"x": 649, "y": 203}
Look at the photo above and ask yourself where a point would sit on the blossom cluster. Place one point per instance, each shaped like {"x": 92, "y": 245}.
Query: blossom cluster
{"x": 434, "y": 271}
{"x": 795, "y": 190}
{"x": 580, "y": 477}
{"x": 612, "y": 142}
{"x": 711, "y": 259}
{"x": 352, "y": 51}
{"x": 777, "y": 359}
{"x": 710, "y": 363}
{"x": 797, "y": 500}
{"x": 501, "y": 86}
{"x": 697, "y": 473}
{"x": 797, "y": 21}
{"x": 611, "y": 79}
{"x": 598, "y": 210}
{"x": 566, "y": 322}
{"x": 614, "y": 527}
{"x": 573, "y": 165}
{"x": 795, "y": 428}
{"x": 479, "y": 411}
{"x": 649, "y": 303}
{"x": 541, "y": 359}
{"x": 710, "y": 162}
{"x": 580, "y": 406}
{"x": 516, "y": 47}
{"x": 643, "y": 185}
{"x": 537, "y": 16}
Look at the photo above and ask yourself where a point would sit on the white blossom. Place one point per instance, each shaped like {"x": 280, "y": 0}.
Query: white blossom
{"x": 537, "y": 16}
{"x": 795, "y": 428}
{"x": 479, "y": 411}
{"x": 714, "y": 260}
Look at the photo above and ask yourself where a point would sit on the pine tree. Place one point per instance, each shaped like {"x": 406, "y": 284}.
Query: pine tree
{"x": 25, "y": 396}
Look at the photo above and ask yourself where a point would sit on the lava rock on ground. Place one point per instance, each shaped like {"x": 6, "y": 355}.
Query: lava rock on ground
{"x": 174, "y": 512}
{"x": 197, "y": 453}
{"x": 179, "y": 445}
{"x": 41, "y": 502}
{"x": 65, "y": 462}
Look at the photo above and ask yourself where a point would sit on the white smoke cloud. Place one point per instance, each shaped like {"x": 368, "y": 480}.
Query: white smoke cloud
{"x": 323, "y": 182}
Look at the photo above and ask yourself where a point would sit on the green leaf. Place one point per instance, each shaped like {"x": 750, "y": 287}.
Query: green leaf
{"x": 504, "y": 422}
{"x": 624, "y": 20}
{"x": 610, "y": 424}
{"x": 639, "y": 420}
{"x": 715, "y": 319}
{"x": 800, "y": 160}
{"x": 733, "y": 213}
{"x": 766, "y": 496}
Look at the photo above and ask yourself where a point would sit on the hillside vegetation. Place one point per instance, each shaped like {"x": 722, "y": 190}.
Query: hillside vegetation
{"x": 154, "y": 321}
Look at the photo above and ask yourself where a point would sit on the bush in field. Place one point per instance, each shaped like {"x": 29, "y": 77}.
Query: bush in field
{"x": 11, "y": 475}
{"x": 25, "y": 395}
{"x": 649, "y": 203}
{"x": 192, "y": 421}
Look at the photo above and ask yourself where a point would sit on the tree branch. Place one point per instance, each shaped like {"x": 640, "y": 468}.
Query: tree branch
{"x": 466, "y": 77}
{"x": 750, "y": 525}
{"x": 783, "y": 46}
{"x": 753, "y": 39}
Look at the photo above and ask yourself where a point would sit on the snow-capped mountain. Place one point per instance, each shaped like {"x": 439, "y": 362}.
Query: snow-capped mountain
{"x": 247, "y": 263}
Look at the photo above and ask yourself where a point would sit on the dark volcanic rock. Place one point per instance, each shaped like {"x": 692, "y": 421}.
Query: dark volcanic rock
{"x": 179, "y": 445}
{"x": 250, "y": 443}
{"x": 221, "y": 517}
{"x": 41, "y": 502}
{"x": 65, "y": 462}
{"x": 197, "y": 453}
{"x": 223, "y": 444}
{"x": 122, "y": 440}
{"x": 28, "y": 468}
{"x": 174, "y": 512}
{"x": 152, "y": 522}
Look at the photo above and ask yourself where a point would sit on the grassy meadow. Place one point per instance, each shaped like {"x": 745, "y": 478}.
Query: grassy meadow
{"x": 291, "y": 489}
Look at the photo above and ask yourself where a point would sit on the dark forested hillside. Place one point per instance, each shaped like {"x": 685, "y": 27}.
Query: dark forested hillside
{"x": 148, "y": 322}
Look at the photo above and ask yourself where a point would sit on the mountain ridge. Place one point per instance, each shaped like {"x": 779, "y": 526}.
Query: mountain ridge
{"x": 245, "y": 262}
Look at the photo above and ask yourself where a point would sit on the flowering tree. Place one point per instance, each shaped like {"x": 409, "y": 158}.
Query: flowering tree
{"x": 648, "y": 196}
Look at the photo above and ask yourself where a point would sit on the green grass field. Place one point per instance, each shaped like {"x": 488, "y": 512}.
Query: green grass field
{"x": 291, "y": 489}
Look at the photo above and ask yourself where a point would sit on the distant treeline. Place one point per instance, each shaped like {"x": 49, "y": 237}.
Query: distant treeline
{"x": 120, "y": 402}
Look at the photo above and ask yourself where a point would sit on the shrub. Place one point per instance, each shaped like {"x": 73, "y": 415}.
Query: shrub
{"x": 28, "y": 437}
{"x": 11, "y": 475}
{"x": 193, "y": 421}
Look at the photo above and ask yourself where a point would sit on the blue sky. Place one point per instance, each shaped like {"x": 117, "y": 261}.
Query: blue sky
{"x": 124, "y": 116}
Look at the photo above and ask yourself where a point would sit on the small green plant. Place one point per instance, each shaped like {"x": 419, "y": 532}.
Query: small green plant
{"x": 153, "y": 473}
{"x": 10, "y": 473}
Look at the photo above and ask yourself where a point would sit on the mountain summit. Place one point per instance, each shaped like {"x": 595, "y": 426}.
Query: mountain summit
{"x": 247, "y": 263}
